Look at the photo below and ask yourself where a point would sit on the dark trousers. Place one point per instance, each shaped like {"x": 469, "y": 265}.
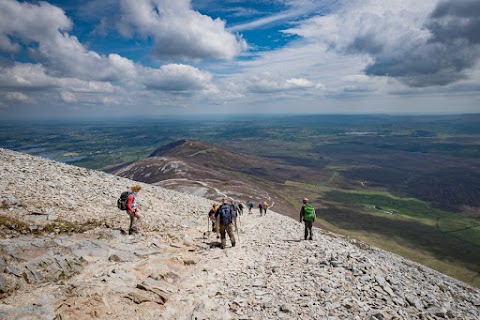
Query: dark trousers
{"x": 133, "y": 223}
{"x": 227, "y": 229}
{"x": 308, "y": 229}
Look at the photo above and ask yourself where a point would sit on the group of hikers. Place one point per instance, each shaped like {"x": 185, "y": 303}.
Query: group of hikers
{"x": 223, "y": 217}
{"x": 262, "y": 206}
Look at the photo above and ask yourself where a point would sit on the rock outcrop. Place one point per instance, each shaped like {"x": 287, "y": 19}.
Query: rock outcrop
{"x": 64, "y": 254}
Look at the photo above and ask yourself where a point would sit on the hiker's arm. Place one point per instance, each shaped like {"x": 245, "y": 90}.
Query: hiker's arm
{"x": 301, "y": 214}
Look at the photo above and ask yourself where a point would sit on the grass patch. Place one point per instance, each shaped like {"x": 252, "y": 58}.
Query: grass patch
{"x": 17, "y": 226}
{"x": 378, "y": 204}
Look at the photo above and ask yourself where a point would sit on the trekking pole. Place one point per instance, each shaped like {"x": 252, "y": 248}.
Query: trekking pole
{"x": 208, "y": 225}
{"x": 236, "y": 229}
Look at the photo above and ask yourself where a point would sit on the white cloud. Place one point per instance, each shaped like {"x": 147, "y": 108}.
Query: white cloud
{"x": 381, "y": 25}
{"x": 45, "y": 28}
{"x": 177, "y": 78}
{"x": 178, "y": 30}
{"x": 65, "y": 66}
{"x": 17, "y": 96}
{"x": 427, "y": 43}
{"x": 29, "y": 23}
{"x": 68, "y": 97}
{"x": 30, "y": 76}
{"x": 270, "y": 83}
{"x": 25, "y": 75}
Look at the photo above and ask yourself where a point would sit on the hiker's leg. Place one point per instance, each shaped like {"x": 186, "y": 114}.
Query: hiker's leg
{"x": 132, "y": 221}
{"x": 222, "y": 235}
{"x": 310, "y": 224}
{"x": 217, "y": 227}
{"x": 306, "y": 230}
{"x": 139, "y": 218}
{"x": 231, "y": 235}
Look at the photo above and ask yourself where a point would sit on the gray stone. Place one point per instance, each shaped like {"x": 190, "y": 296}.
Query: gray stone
{"x": 15, "y": 271}
{"x": 336, "y": 263}
{"x": 414, "y": 301}
{"x": 203, "y": 245}
{"x": 438, "y": 312}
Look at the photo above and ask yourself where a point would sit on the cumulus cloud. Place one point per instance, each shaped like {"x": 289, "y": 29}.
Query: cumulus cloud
{"x": 270, "y": 84}
{"x": 68, "y": 97}
{"x": 34, "y": 77}
{"x": 177, "y": 78}
{"x": 44, "y": 29}
{"x": 17, "y": 96}
{"x": 62, "y": 64}
{"x": 420, "y": 43}
{"x": 29, "y": 23}
{"x": 178, "y": 30}
{"x": 25, "y": 76}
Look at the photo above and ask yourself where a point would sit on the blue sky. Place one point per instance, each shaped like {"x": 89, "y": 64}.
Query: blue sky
{"x": 161, "y": 57}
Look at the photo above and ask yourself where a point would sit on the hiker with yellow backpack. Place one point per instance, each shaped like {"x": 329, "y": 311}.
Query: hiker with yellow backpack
{"x": 265, "y": 206}
{"x": 307, "y": 214}
{"x": 211, "y": 216}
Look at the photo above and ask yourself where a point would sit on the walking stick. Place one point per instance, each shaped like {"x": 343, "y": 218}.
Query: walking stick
{"x": 236, "y": 229}
{"x": 208, "y": 226}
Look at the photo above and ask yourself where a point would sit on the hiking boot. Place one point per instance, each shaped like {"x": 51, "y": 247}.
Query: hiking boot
{"x": 233, "y": 244}
{"x": 310, "y": 238}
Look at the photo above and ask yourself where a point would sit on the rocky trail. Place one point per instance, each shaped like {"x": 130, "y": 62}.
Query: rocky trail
{"x": 66, "y": 256}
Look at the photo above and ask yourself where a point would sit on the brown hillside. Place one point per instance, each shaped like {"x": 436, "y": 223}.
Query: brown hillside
{"x": 214, "y": 172}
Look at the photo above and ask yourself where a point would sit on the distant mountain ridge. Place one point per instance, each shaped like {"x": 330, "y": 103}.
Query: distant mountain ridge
{"x": 168, "y": 148}
{"x": 214, "y": 172}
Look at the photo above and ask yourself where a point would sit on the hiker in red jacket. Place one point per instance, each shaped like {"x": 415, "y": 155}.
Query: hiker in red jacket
{"x": 132, "y": 210}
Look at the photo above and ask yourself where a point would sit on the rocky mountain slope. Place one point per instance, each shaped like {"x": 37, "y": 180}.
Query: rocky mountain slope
{"x": 64, "y": 255}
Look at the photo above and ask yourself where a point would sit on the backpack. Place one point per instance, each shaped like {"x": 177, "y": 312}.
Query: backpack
{"x": 226, "y": 214}
{"x": 122, "y": 201}
{"x": 308, "y": 213}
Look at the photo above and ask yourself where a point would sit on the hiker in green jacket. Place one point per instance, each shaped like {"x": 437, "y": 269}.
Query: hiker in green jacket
{"x": 307, "y": 214}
